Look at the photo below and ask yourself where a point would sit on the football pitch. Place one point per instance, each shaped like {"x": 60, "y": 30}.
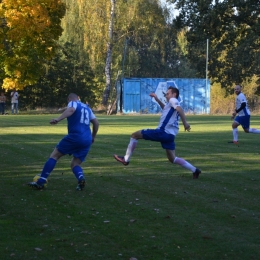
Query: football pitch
{"x": 150, "y": 209}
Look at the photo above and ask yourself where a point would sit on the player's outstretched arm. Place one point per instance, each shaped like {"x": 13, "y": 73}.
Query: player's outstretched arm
{"x": 67, "y": 113}
{"x": 161, "y": 104}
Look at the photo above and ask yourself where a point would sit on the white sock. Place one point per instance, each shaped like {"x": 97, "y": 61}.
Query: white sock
{"x": 254, "y": 131}
{"x": 130, "y": 149}
{"x": 184, "y": 164}
{"x": 235, "y": 134}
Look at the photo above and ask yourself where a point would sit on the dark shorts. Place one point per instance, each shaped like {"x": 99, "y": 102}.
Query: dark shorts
{"x": 244, "y": 121}
{"x": 74, "y": 146}
{"x": 157, "y": 135}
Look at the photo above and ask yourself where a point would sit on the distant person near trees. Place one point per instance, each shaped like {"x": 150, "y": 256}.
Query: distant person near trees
{"x": 2, "y": 103}
{"x": 14, "y": 101}
{"x": 165, "y": 133}
{"x": 77, "y": 142}
{"x": 241, "y": 115}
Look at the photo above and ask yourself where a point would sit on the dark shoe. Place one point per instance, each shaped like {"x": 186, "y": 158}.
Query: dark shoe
{"x": 121, "y": 159}
{"x": 36, "y": 185}
{"x": 233, "y": 142}
{"x": 81, "y": 184}
{"x": 196, "y": 173}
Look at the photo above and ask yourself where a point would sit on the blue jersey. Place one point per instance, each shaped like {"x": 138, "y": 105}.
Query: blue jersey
{"x": 79, "y": 121}
{"x": 79, "y": 138}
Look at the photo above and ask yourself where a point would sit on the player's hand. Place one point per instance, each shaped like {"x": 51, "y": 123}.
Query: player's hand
{"x": 187, "y": 127}
{"x": 153, "y": 95}
{"x": 54, "y": 121}
{"x": 233, "y": 115}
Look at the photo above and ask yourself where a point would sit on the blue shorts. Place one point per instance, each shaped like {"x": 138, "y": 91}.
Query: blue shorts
{"x": 74, "y": 146}
{"x": 158, "y": 135}
{"x": 244, "y": 121}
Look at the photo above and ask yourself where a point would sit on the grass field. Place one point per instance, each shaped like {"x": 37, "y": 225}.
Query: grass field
{"x": 150, "y": 209}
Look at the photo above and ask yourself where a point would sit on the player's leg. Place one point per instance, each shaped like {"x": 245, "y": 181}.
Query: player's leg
{"x": 253, "y": 131}
{"x": 47, "y": 169}
{"x": 12, "y": 107}
{"x": 235, "y": 125}
{"x": 246, "y": 126}
{"x": 76, "y": 168}
{"x": 78, "y": 172}
{"x": 80, "y": 152}
{"x": 49, "y": 165}
{"x": 132, "y": 144}
{"x": 183, "y": 163}
{"x": 130, "y": 148}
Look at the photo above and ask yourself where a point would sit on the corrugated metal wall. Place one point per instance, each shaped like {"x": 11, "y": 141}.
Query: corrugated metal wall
{"x": 134, "y": 93}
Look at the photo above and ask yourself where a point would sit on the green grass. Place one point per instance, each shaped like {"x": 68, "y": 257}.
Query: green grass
{"x": 155, "y": 209}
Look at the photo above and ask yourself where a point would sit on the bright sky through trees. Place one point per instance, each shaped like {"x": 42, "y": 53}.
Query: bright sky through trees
{"x": 174, "y": 12}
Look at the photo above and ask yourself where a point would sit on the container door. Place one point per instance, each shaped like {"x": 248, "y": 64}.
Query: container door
{"x": 132, "y": 98}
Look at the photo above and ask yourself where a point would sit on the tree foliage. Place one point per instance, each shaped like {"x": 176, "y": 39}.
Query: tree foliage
{"x": 151, "y": 43}
{"x": 65, "y": 73}
{"x": 28, "y": 38}
{"x": 233, "y": 27}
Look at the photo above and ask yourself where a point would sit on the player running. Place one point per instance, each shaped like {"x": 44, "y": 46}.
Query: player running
{"x": 77, "y": 142}
{"x": 241, "y": 115}
{"x": 165, "y": 133}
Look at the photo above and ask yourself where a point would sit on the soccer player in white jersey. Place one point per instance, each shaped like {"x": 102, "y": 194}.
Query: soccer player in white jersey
{"x": 241, "y": 115}
{"x": 76, "y": 143}
{"x": 165, "y": 133}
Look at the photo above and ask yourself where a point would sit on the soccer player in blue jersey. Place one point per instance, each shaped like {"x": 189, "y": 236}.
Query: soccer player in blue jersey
{"x": 165, "y": 133}
{"x": 76, "y": 143}
{"x": 241, "y": 115}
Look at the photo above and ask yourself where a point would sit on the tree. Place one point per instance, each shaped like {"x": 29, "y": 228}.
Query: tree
{"x": 141, "y": 23}
{"x": 28, "y": 38}
{"x": 65, "y": 73}
{"x": 109, "y": 53}
{"x": 233, "y": 28}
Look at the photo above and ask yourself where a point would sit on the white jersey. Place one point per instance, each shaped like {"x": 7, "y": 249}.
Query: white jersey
{"x": 169, "y": 120}
{"x": 239, "y": 100}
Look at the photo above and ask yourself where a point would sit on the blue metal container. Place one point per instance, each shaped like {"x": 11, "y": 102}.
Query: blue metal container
{"x": 133, "y": 95}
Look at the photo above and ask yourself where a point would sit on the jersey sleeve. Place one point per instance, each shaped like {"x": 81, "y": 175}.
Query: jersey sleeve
{"x": 174, "y": 102}
{"x": 242, "y": 98}
{"x": 72, "y": 104}
{"x": 91, "y": 115}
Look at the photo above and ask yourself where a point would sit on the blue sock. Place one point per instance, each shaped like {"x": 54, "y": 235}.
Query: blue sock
{"x": 47, "y": 169}
{"x": 78, "y": 172}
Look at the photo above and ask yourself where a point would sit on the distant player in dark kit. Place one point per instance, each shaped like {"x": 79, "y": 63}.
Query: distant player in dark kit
{"x": 77, "y": 142}
{"x": 241, "y": 115}
{"x": 165, "y": 133}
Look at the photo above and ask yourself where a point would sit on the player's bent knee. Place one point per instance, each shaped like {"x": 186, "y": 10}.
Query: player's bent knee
{"x": 133, "y": 135}
{"x": 136, "y": 135}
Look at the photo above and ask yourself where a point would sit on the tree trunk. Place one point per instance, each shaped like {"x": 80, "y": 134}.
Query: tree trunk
{"x": 109, "y": 55}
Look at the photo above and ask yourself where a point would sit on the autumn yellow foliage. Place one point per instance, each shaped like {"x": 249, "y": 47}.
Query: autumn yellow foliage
{"x": 28, "y": 36}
